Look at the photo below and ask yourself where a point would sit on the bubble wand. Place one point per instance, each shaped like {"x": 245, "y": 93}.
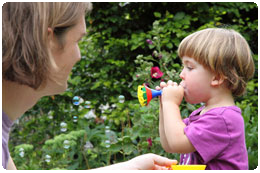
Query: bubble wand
{"x": 145, "y": 94}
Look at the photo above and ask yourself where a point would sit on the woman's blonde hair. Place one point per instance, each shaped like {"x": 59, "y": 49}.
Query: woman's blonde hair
{"x": 25, "y": 30}
{"x": 224, "y": 52}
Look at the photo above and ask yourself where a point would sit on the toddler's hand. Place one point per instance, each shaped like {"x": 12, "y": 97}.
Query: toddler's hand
{"x": 163, "y": 84}
{"x": 172, "y": 92}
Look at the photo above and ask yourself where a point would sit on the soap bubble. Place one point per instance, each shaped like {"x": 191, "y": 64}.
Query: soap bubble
{"x": 21, "y": 152}
{"x": 107, "y": 127}
{"x": 111, "y": 135}
{"x": 50, "y": 115}
{"x": 63, "y": 126}
{"x": 66, "y": 144}
{"x": 87, "y": 104}
{"x": 75, "y": 119}
{"x": 81, "y": 100}
{"x": 121, "y": 99}
{"x": 47, "y": 158}
{"x": 77, "y": 100}
{"x": 107, "y": 142}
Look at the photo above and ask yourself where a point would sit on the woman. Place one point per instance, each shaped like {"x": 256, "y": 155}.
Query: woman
{"x": 40, "y": 47}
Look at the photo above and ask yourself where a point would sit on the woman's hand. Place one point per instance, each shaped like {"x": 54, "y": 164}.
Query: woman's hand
{"x": 143, "y": 162}
{"x": 150, "y": 162}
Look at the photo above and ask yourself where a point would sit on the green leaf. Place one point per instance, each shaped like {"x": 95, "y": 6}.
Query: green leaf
{"x": 75, "y": 81}
{"x": 73, "y": 166}
{"x": 145, "y": 144}
{"x": 115, "y": 147}
{"x": 128, "y": 149}
{"x": 127, "y": 139}
{"x": 157, "y": 14}
{"x": 144, "y": 132}
{"x": 151, "y": 46}
{"x": 190, "y": 107}
{"x": 179, "y": 16}
{"x": 169, "y": 45}
{"x": 247, "y": 111}
{"x": 148, "y": 118}
{"x": 96, "y": 85}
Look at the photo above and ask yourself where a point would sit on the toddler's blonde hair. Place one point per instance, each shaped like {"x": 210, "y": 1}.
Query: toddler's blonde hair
{"x": 224, "y": 52}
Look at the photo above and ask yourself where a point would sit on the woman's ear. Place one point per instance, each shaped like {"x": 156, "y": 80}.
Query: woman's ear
{"x": 50, "y": 37}
{"x": 217, "y": 80}
{"x": 50, "y": 32}
{"x": 52, "y": 41}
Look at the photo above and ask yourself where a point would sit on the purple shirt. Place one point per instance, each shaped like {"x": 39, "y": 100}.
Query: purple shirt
{"x": 218, "y": 137}
{"x": 6, "y": 126}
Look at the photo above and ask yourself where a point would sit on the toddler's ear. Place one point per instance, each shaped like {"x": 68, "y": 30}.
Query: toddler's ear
{"x": 217, "y": 80}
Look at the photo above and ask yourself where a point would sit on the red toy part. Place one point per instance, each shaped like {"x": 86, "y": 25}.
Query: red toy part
{"x": 149, "y": 94}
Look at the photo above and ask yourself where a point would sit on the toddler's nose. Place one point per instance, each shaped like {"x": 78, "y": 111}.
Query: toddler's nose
{"x": 182, "y": 75}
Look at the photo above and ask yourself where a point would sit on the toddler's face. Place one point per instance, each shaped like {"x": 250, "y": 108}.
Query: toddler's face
{"x": 196, "y": 81}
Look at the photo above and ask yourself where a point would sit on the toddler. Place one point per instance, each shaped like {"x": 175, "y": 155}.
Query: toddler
{"x": 217, "y": 63}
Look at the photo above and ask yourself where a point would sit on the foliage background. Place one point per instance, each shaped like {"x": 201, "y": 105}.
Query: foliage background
{"x": 116, "y": 58}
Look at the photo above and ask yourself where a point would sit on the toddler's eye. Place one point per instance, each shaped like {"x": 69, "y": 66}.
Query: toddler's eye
{"x": 189, "y": 68}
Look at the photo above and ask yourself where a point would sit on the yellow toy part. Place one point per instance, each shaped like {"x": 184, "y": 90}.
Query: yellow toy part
{"x": 140, "y": 95}
{"x": 188, "y": 167}
{"x": 146, "y": 94}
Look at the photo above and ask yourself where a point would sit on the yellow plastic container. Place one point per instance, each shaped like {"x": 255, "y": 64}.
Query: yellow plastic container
{"x": 188, "y": 167}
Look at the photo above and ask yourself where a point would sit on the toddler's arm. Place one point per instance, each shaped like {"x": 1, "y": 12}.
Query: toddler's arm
{"x": 178, "y": 142}
{"x": 163, "y": 138}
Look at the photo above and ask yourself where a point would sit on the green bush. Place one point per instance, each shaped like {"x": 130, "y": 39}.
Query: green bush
{"x": 107, "y": 125}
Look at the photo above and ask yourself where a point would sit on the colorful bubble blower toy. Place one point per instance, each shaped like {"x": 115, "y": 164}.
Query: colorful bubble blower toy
{"x": 145, "y": 94}
{"x": 188, "y": 167}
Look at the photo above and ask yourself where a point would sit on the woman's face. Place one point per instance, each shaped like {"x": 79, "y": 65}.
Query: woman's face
{"x": 65, "y": 58}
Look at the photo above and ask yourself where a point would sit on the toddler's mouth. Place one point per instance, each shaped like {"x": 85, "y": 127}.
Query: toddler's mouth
{"x": 182, "y": 84}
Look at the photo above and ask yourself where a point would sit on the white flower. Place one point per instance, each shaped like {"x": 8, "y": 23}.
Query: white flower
{"x": 90, "y": 114}
{"x": 104, "y": 107}
{"x": 88, "y": 145}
